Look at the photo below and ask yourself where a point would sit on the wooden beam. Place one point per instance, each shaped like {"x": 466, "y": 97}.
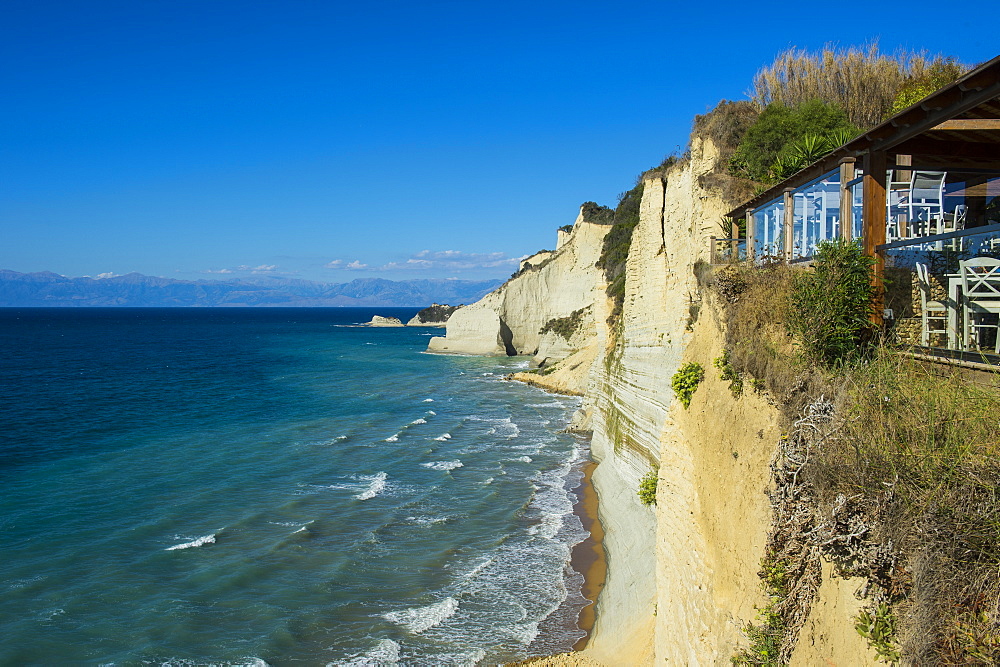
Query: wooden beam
{"x": 873, "y": 219}
{"x": 846, "y": 198}
{"x": 751, "y": 236}
{"x": 944, "y": 148}
{"x": 960, "y": 124}
{"x": 885, "y": 136}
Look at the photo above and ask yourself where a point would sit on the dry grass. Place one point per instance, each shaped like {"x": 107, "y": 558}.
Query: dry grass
{"x": 919, "y": 452}
{"x": 891, "y": 468}
{"x": 863, "y": 81}
{"x": 757, "y": 338}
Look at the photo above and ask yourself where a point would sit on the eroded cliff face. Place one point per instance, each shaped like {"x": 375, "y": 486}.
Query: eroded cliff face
{"x": 682, "y": 574}
{"x": 549, "y": 286}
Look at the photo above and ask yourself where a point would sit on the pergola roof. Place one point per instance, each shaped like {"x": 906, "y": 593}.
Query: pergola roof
{"x": 959, "y": 125}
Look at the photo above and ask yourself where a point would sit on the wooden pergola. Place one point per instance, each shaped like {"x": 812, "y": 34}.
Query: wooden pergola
{"x": 957, "y": 127}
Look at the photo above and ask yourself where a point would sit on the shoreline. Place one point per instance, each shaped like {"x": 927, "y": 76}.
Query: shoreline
{"x": 588, "y": 557}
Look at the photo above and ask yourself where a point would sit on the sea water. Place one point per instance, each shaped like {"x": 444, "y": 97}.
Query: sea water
{"x": 222, "y": 486}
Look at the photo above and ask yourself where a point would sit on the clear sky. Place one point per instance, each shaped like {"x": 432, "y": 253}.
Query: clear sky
{"x": 332, "y": 140}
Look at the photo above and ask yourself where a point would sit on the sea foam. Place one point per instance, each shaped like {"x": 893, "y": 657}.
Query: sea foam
{"x": 418, "y": 619}
{"x": 207, "y": 539}
{"x": 376, "y": 487}
{"x": 443, "y": 465}
{"x": 386, "y": 652}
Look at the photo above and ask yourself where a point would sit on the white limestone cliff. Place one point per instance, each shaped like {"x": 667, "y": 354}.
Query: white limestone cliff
{"x": 549, "y": 286}
{"x": 682, "y": 575}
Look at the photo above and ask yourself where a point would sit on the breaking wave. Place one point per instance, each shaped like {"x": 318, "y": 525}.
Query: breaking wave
{"x": 418, "y": 619}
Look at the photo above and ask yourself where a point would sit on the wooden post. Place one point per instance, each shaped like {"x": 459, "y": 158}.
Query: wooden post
{"x": 751, "y": 237}
{"x": 734, "y": 243}
{"x": 873, "y": 219}
{"x": 846, "y": 198}
{"x": 789, "y": 223}
{"x": 711, "y": 250}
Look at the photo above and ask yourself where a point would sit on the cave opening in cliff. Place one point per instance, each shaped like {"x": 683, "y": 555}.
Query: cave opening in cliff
{"x": 507, "y": 336}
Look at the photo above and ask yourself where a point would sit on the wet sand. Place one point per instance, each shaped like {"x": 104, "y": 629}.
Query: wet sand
{"x": 588, "y": 557}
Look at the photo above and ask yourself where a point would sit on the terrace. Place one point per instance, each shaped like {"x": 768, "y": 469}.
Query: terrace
{"x": 921, "y": 193}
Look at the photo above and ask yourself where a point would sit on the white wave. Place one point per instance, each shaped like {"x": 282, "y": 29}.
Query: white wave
{"x": 524, "y": 634}
{"x": 207, "y": 539}
{"x": 524, "y": 459}
{"x": 418, "y": 421}
{"x": 488, "y": 481}
{"x": 428, "y": 400}
{"x": 443, "y": 438}
{"x": 376, "y": 487}
{"x": 392, "y": 438}
{"x": 431, "y": 413}
{"x": 385, "y": 652}
{"x": 427, "y": 520}
{"x": 478, "y": 568}
{"x": 418, "y": 619}
{"x": 289, "y": 524}
{"x": 443, "y": 465}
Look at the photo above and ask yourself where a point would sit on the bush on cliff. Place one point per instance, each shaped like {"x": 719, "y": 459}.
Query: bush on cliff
{"x": 831, "y": 306}
{"x": 776, "y": 138}
{"x": 614, "y": 252}
{"x": 647, "y": 488}
{"x": 686, "y": 380}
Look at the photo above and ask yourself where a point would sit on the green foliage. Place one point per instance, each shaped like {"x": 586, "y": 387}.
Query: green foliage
{"x": 686, "y": 380}
{"x": 594, "y": 212}
{"x": 647, "y": 488}
{"x": 617, "y": 242}
{"x": 938, "y": 74}
{"x": 878, "y": 626}
{"x": 566, "y": 228}
{"x": 767, "y": 635}
{"x": 831, "y": 306}
{"x": 729, "y": 374}
{"x": 782, "y": 138}
{"x": 564, "y": 326}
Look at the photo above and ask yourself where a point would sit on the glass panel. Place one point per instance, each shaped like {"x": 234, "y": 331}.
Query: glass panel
{"x": 767, "y": 229}
{"x": 817, "y": 214}
{"x": 931, "y": 305}
{"x": 728, "y": 251}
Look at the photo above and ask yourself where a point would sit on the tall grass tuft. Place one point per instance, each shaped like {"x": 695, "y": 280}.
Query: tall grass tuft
{"x": 862, "y": 80}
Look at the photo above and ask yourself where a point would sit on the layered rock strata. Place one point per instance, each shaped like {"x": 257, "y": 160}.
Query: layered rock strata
{"x": 682, "y": 574}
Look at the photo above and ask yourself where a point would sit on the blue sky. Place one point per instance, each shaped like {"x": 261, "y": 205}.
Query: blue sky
{"x": 331, "y": 141}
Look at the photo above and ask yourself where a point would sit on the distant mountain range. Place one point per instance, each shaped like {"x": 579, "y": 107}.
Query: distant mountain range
{"x": 134, "y": 289}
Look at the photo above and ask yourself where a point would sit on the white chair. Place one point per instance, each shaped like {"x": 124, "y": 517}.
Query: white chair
{"x": 931, "y": 311}
{"x": 925, "y": 202}
{"x": 980, "y": 296}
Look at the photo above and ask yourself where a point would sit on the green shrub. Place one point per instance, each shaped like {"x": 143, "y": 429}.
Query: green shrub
{"x": 686, "y": 380}
{"x": 937, "y": 74}
{"x": 831, "y": 306}
{"x": 564, "y": 326}
{"x": 566, "y": 228}
{"x": 768, "y": 634}
{"x": 614, "y": 252}
{"x": 594, "y": 212}
{"x": 729, "y": 374}
{"x": 777, "y": 142}
{"x": 647, "y": 488}
{"x": 878, "y": 626}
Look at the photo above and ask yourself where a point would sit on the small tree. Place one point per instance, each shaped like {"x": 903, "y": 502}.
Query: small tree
{"x": 831, "y": 306}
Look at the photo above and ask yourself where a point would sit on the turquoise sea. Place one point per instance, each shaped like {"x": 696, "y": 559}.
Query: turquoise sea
{"x": 251, "y": 486}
